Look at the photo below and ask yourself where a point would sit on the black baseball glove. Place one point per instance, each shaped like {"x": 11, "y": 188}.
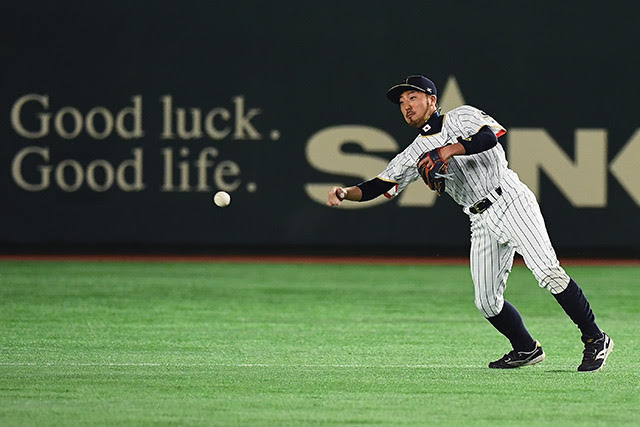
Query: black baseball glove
{"x": 435, "y": 176}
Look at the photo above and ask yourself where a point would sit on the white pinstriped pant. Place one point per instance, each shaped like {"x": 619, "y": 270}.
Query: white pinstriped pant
{"x": 512, "y": 224}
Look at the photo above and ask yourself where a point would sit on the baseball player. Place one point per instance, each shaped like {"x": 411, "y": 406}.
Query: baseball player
{"x": 458, "y": 153}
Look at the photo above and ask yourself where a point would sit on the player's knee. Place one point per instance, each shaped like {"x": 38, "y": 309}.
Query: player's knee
{"x": 555, "y": 280}
{"x": 489, "y": 307}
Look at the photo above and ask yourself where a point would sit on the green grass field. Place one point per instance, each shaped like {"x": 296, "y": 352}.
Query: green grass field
{"x": 135, "y": 343}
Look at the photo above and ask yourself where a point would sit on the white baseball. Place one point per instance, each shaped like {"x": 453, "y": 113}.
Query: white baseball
{"x": 222, "y": 199}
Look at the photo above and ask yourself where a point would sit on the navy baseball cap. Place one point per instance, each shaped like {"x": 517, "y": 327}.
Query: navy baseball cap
{"x": 420, "y": 83}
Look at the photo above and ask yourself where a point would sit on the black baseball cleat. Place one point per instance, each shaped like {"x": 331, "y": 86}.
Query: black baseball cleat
{"x": 596, "y": 351}
{"x": 515, "y": 359}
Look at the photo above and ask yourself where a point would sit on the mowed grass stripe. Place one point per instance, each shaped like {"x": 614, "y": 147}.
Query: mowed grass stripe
{"x": 245, "y": 365}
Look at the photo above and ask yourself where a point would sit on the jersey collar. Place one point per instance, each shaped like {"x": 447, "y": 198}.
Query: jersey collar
{"x": 433, "y": 125}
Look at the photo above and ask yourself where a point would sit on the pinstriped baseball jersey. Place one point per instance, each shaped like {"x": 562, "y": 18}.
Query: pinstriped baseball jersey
{"x": 474, "y": 176}
{"x": 512, "y": 224}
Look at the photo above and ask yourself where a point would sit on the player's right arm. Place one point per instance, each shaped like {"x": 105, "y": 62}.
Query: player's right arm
{"x": 362, "y": 192}
{"x": 400, "y": 172}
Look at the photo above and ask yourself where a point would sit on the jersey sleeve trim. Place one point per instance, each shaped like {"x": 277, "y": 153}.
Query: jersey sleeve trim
{"x": 386, "y": 180}
{"x": 392, "y": 192}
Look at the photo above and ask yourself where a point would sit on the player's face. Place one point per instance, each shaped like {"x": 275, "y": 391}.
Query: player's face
{"x": 416, "y": 107}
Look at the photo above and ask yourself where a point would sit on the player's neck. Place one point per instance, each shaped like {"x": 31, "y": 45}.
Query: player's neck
{"x": 433, "y": 113}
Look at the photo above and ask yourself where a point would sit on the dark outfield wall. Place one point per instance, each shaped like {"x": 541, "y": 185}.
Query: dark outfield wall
{"x": 121, "y": 120}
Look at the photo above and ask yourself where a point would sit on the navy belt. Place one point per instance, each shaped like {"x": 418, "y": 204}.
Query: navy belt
{"x": 483, "y": 205}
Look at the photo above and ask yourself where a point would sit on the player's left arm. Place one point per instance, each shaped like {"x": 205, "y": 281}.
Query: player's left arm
{"x": 481, "y": 141}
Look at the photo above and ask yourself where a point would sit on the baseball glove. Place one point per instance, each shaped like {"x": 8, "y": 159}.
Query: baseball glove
{"x": 435, "y": 176}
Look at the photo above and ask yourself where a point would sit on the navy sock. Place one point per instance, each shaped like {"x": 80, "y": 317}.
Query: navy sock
{"x": 575, "y": 304}
{"x": 509, "y": 323}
